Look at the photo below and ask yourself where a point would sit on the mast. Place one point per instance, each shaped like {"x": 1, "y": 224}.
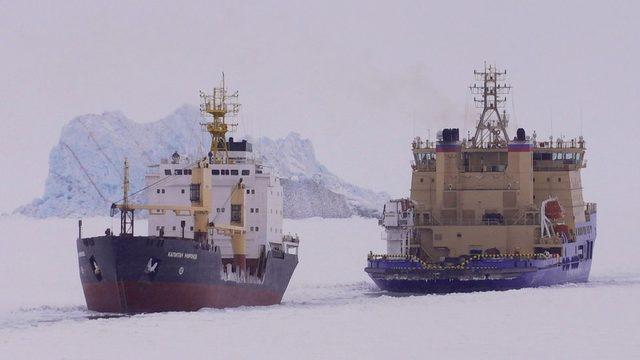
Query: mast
{"x": 491, "y": 129}
{"x": 126, "y": 211}
{"x": 219, "y": 104}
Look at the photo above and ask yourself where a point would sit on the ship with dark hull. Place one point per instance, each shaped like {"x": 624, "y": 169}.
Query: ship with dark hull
{"x": 489, "y": 212}
{"x": 215, "y": 237}
{"x": 137, "y": 274}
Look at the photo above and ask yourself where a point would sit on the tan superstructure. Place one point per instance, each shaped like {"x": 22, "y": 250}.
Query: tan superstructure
{"x": 486, "y": 194}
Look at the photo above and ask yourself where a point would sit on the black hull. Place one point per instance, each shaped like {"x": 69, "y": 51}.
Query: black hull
{"x": 126, "y": 274}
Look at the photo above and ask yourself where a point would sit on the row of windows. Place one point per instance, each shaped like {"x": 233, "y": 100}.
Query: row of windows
{"x": 549, "y": 179}
{"x": 556, "y": 156}
{"x": 228, "y": 172}
{"x": 213, "y": 172}
{"x": 252, "y": 228}
{"x": 178, "y": 172}
{"x": 584, "y": 230}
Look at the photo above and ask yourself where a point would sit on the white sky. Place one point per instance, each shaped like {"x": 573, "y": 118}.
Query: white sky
{"x": 357, "y": 78}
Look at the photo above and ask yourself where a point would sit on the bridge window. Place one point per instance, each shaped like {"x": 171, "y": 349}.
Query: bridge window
{"x": 177, "y": 172}
{"x": 167, "y": 172}
{"x": 215, "y": 172}
{"x": 245, "y": 172}
{"x": 234, "y": 172}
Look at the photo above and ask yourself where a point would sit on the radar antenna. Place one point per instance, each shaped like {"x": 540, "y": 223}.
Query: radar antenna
{"x": 219, "y": 105}
{"x": 491, "y": 130}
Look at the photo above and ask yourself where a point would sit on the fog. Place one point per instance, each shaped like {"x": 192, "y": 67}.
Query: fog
{"x": 358, "y": 79}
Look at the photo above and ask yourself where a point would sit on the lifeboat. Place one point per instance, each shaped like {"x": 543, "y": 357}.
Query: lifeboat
{"x": 553, "y": 210}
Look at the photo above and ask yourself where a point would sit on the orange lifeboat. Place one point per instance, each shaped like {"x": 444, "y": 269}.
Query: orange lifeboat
{"x": 553, "y": 210}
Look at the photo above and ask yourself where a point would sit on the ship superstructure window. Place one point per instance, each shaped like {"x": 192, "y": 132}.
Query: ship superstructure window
{"x": 225, "y": 171}
{"x": 187, "y": 171}
{"x": 245, "y": 172}
{"x": 234, "y": 172}
{"x": 194, "y": 192}
{"x": 182, "y": 191}
{"x": 163, "y": 191}
{"x": 177, "y": 172}
{"x": 167, "y": 172}
{"x": 235, "y": 213}
{"x": 158, "y": 191}
{"x": 215, "y": 172}
{"x": 253, "y": 191}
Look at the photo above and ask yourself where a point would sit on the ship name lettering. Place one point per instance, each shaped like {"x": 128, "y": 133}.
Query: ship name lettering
{"x": 174, "y": 254}
{"x": 191, "y": 256}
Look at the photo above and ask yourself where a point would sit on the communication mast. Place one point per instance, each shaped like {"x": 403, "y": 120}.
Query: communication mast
{"x": 219, "y": 105}
{"x": 491, "y": 130}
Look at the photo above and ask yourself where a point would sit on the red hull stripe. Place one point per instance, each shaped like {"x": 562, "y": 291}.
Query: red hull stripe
{"x": 141, "y": 297}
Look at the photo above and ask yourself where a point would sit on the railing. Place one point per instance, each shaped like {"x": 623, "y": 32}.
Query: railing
{"x": 578, "y": 143}
{"x": 478, "y": 222}
{"x": 464, "y": 262}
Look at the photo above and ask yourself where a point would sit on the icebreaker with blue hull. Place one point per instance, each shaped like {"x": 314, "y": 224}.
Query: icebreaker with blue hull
{"x": 488, "y": 212}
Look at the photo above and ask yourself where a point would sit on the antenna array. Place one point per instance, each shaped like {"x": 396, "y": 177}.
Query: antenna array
{"x": 489, "y": 90}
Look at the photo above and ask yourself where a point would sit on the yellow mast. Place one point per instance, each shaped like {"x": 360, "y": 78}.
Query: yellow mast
{"x": 219, "y": 104}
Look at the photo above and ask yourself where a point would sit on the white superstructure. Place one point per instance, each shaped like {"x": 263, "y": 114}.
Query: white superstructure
{"x": 397, "y": 219}
{"x": 263, "y": 198}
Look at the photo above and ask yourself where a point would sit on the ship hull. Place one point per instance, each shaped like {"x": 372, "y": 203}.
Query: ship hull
{"x": 126, "y": 274}
{"x": 472, "y": 280}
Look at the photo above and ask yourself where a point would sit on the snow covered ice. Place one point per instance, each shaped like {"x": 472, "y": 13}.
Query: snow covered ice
{"x": 331, "y": 309}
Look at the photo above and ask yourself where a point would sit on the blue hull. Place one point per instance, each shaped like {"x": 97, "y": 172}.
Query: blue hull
{"x": 499, "y": 274}
{"x": 406, "y": 274}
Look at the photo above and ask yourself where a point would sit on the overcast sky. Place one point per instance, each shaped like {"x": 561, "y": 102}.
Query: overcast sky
{"x": 359, "y": 79}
